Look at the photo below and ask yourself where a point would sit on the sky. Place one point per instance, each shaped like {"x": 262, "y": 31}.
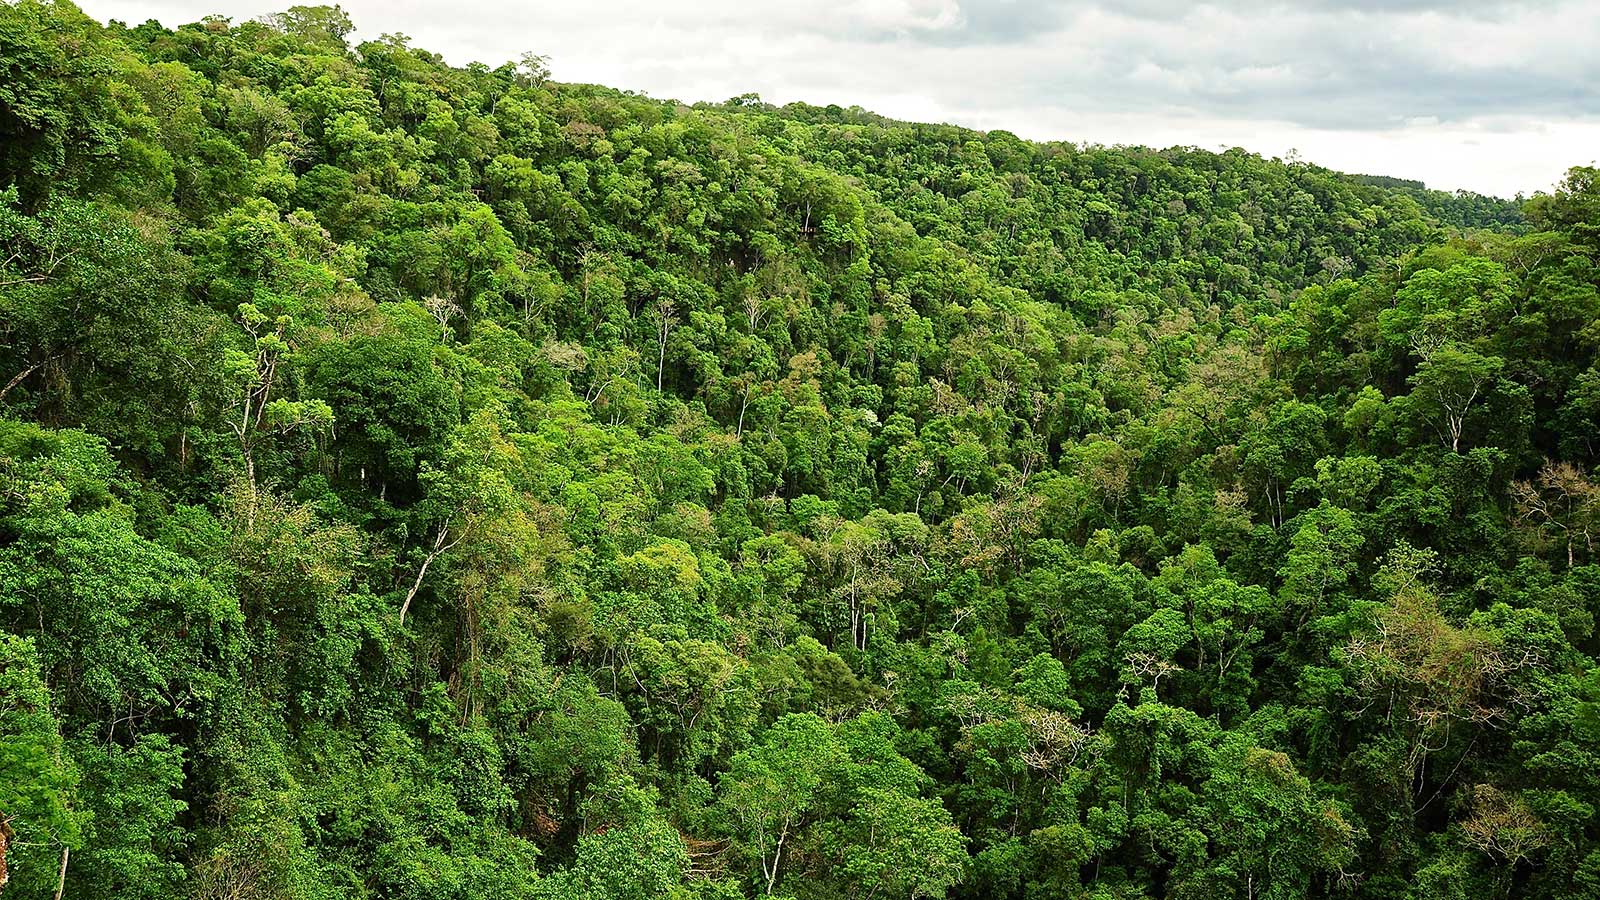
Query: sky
{"x": 1496, "y": 97}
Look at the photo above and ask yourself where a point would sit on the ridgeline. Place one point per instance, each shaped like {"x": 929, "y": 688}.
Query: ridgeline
{"x": 442, "y": 483}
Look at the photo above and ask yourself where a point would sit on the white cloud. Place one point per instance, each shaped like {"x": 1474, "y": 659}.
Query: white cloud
{"x": 1488, "y": 95}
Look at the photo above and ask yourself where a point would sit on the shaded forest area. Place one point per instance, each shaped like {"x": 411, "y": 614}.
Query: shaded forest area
{"x": 439, "y": 483}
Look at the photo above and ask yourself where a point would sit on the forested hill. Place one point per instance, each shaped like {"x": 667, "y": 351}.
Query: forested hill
{"x": 446, "y": 483}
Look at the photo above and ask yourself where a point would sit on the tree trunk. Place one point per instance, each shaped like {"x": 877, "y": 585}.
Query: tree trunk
{"x": 439, "y": 547}
{"x": 61, "y": 880}
{"x": 777, "y": 857}
{"x": 17, "y": 379}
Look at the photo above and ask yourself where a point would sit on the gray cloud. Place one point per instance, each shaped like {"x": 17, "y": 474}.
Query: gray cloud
{"x": 1340, "y": 66}
{"x": 999, "y": 22}
{"x": 991, "y": 22}
{"x": 1355, "y": 64}
{"x": 1410, "y": 87}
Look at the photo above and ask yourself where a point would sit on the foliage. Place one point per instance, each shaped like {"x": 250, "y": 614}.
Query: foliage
{"x": 440, "y": 483}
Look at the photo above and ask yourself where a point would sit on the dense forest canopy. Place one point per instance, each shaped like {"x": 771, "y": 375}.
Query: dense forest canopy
{"x": 440, "y": 483}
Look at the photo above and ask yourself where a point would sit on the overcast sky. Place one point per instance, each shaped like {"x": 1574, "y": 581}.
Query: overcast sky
{"x": 1498, "y": 97}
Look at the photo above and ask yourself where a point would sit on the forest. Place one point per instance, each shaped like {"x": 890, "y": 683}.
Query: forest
{"x": 441, "y": 483}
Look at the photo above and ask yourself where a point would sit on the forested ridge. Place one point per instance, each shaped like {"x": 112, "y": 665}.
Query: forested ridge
{"x": 438, "y": 483}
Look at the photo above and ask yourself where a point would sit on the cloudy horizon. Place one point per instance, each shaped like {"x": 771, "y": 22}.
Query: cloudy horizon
{"x": 1495, "y": 97}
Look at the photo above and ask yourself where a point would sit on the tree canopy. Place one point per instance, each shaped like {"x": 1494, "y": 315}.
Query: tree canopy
{"x": 438, "y": 482}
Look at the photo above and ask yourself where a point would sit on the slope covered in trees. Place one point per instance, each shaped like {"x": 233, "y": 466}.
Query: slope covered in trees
{"x": 432, "y": 483}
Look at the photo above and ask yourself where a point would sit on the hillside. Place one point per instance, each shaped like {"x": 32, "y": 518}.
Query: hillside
{"x": 443, "y": 483}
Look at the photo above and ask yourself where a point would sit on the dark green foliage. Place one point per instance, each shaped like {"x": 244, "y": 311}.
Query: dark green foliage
{"x": 446, "y": 483}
